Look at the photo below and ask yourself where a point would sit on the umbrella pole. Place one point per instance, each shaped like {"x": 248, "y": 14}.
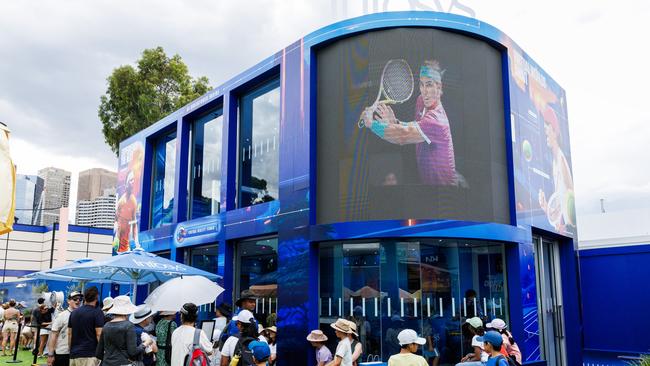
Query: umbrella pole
{"x": 135, "y": 290}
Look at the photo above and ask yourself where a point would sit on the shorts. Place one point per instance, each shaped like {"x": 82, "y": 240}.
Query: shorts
{"x": 10, "y": 326}
{"x": 45, "y": 331}
{"x": 84, "y": 361}
{"x": 431, "y": 354}
{"x": 61, "y": 360}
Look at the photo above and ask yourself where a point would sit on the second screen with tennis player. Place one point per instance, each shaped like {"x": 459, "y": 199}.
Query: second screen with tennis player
{"x": 410, "y": 125}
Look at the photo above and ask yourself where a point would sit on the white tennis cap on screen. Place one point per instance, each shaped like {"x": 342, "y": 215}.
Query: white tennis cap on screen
{"x": 408, "y": 336}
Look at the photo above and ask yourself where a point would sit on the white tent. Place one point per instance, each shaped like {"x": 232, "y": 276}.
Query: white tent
{"x": 7, "y": 183}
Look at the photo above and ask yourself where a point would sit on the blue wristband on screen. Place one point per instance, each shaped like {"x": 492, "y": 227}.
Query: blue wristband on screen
{"x": 378, "y": 128}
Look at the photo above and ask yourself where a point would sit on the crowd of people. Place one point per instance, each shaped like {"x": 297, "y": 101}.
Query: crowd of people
{"x": 117, "y": 333}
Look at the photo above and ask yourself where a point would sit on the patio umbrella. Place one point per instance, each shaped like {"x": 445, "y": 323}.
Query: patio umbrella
{"x": 171, "y": 295}
{"x": 137, "y": 267}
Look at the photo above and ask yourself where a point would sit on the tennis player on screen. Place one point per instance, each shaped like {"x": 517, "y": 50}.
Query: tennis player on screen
{"x": 430, "y": 131}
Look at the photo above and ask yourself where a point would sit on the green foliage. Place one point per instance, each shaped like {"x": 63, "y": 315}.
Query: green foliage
{"x": 137, "y": 97}
{"x": 39, "y": 288}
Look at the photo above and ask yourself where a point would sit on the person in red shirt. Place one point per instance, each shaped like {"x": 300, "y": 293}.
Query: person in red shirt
{"x": 127, "y": 208}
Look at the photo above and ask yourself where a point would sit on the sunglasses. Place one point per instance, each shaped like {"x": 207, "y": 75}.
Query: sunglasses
{"x": 77, "y": 298}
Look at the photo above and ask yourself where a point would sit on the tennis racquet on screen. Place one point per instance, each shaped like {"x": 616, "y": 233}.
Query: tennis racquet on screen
{"x": 395, "y": 86}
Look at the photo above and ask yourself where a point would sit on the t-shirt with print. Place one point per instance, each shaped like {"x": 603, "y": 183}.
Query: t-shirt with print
{"x": 497, "y": 361}
{"x": 83, "y": 322}
{"x": 407, "y": 359}
{"x": 323, "y": 355}
{"x": 344, "y": 350}
{"x": 60, "y": 325}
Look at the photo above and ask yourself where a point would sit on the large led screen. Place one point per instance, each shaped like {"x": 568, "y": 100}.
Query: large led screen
{"x": 410, "y": 125}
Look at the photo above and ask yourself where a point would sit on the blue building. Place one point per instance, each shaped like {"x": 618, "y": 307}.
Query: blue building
{"x": 405, "y": 169}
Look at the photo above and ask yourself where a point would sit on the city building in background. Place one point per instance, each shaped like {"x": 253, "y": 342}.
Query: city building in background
{"x": 93, "y": 182}
{"x": 56, "y": 193}
{"x": 451, "y": 200}
{"x": 97, "y": 212}
{"x": 29, "y": 199}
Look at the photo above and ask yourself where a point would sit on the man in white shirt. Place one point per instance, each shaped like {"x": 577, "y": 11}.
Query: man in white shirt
{"x": 247, "y": 329}
{"x": 343, "y": 355}
{"x": 58, "y": 340}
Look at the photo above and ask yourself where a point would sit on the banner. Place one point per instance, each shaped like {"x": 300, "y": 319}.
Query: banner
{"x": 7, "y": 183}
{"x": 129, "y": 183}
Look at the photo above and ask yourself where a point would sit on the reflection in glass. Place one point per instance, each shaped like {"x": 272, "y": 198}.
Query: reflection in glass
{"x": 257, "y": 265}
{"x": 205, "y": 258}
{"x": 163, "y": 181}
{"x": 259, "y": 145}
{"x": 430, "y": 285}
{"x": 206, "y": 165}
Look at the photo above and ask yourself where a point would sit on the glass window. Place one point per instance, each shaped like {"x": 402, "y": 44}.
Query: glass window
{"x": 205, "y": 175}
{"x": 205, "y": 258}
{"x": 257, "y": 270}
{"x": 428, "y": 285}
{"x": 259, "y": 145}
{"x": 164, "y": 169}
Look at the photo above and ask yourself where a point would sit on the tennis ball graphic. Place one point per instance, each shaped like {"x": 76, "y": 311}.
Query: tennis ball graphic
{"x": 527, "y": 150}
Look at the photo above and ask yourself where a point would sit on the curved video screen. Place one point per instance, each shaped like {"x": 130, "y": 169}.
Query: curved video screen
{"x": 410, "y": 125}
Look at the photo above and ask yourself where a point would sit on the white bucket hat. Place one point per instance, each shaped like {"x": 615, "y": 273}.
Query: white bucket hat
{"x": 122, "y": 306}
{"x": 141, "y": 313}
{"x": 107, "y": 303}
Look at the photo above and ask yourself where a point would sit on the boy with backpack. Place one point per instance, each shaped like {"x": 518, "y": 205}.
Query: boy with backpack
{"x": 492, "y": 342}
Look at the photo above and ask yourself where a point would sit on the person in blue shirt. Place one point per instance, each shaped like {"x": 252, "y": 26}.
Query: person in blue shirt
{"x": 142, "y": 319}
{"x": 492, "y": 342}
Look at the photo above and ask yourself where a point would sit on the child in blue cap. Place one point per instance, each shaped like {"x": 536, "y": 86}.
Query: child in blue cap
{"x": 492, "y": 342}
{"x": 261, "y": 352}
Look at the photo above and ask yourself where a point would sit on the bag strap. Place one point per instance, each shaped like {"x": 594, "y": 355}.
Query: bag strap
{"x": 197, "y": 337}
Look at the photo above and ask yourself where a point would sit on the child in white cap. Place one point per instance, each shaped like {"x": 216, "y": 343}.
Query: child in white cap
{"x": 409, "y": 341}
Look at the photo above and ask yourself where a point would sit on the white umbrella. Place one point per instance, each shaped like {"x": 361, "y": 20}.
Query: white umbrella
{"x": 171, "y": 295}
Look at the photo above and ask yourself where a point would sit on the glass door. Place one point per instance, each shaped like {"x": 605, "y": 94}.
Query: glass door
{"x": 549, "y": 289}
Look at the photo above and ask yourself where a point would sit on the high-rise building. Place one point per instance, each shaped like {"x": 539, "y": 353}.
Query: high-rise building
{"x": 56, "y": 193}
{"x": 29, "y": 199}
{"x": 98, "y": 212}
{"x": 93, "y": 183}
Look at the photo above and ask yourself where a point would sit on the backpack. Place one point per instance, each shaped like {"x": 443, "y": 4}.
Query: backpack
{"x": 243, "y": 356}
{"x": 197, "y": 357}
{"x": 510, "y": 360}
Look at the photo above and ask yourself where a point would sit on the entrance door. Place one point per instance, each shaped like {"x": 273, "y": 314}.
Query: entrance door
{"x": 550, "y": 303}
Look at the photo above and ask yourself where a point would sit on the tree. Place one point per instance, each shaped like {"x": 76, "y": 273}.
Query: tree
{"x": 138, "y": 97}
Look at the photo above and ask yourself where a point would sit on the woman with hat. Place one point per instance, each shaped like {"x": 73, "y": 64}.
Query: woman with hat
{"x": 117, "y": 342}
{"x": 343, "y": 354}
{"x": 269, "y": 334}
{"x": 355, "y": 345}
{"x": 317, "y": 339}
{"x": 510, "y": 347}
{"x": 164, "y": 329}
{"x": 143, "y": 321}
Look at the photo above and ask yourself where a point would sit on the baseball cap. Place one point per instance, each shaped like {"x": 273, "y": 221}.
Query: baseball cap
{"x": 408, "y": 336}
{"x": 475, "y": 322}
{"x": 261, "y": 350}
{"x": 245, "y": 316}
{"x": 496, "y": 323}
{"x": 491, "y": 337}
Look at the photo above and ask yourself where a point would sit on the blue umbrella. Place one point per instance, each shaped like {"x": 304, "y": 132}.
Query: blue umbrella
{"x": 50, "y": 274}
{"x": 136, "y": 267}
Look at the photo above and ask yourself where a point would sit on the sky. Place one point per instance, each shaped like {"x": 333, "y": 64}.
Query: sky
{"x": 57, "y": 56}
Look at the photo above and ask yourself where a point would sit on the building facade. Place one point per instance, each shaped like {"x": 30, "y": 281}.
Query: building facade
{"x": 29, "y": 199}
{"x": 98, "y": 212}
{"x": 56, "y": 193}
{"x": 400, "y": 170}
{"x": 30, "y": 248}
{"x": 93, "y": 182}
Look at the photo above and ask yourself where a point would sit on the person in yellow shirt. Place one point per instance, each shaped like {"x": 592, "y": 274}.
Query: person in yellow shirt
{"x": 409, "y": 341}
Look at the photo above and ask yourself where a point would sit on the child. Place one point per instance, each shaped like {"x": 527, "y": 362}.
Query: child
{"x": 492, "y": 342}
{"x": 409, "y": 342}
{"x": 510, "y": 348}
{"x": 317, "y": 339}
